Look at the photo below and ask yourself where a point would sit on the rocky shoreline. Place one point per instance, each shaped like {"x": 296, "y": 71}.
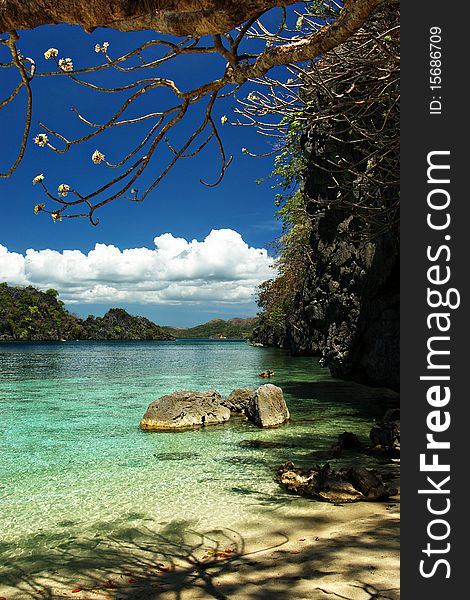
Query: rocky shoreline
{"x": 266, "y": 407}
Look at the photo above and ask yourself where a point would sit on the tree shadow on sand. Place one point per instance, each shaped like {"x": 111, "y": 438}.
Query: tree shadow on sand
{"x": 181, "y": 563}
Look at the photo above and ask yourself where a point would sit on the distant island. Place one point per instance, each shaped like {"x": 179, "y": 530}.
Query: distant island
{"x": 27, "y": 314}
{"x": 217, "y": 329}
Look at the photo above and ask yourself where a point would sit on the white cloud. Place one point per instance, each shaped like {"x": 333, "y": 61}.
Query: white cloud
{"x": 221, "y": 268}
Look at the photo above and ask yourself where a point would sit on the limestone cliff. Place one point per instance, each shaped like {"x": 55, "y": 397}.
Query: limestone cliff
{"x": 344, "y": 150}
{"x": 348, "y": 309}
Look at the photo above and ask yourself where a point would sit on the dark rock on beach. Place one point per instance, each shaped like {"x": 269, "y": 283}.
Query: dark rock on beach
{"x": 185, "y": 409}
{"x": 337, "y": 487}
{"x": 369, "y": 484}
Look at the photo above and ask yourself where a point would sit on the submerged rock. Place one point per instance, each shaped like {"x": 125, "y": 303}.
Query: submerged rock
{"x": 267, "y": 407}
{"x": 263, "y": 444}
{"x": 323, "y": 483}
{"x": 392, "y": 414}
{"x": 385, "y": 434}
{"x": 237, "y": 401}
{"x": 346, "y": 441}
{"x": 185, "y": 409}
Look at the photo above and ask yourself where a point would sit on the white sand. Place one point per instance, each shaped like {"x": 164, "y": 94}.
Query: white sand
{"x": 305, "y": 551}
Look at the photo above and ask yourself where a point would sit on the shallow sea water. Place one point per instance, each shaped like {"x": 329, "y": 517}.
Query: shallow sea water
{"x": 76, "y": 466}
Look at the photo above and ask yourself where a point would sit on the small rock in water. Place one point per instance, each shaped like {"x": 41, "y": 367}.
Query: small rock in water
{"x": 346, "y": 441}
{"x": 392, "y": 414}
{"x": 266, "y": 374}
{"x": 185, "y": 409}
{"x": 385, "y": 435}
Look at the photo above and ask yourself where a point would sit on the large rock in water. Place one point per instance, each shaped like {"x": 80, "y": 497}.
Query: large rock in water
{"x": 185, "y": 409}
{"x": 267, "y": 407}
{"x": 238, "y": 400}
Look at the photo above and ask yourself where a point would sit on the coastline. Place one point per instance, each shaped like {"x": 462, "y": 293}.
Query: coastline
{"x": 109, "y": 508}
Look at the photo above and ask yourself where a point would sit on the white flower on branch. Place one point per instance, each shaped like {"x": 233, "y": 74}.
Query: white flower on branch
{"x": 66, "y": 64}
{"x": 97, "y": 157}
{"x": 38, "y": 179}
{"x": 63, "y": 189}
{"x": 51, "y": 53}
{"x": 41, "y": 139}
{"x": 102, "y": 48}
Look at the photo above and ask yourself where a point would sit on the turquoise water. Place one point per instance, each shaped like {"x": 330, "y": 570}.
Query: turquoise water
{"x": 75, "y": 465}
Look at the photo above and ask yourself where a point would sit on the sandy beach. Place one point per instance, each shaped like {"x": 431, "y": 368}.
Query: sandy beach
{"x": 308, "y": 551}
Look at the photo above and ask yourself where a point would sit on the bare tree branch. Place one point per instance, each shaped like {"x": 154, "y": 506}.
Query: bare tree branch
{"x": 285, "y": 45}
{"x": 18, "y": 62}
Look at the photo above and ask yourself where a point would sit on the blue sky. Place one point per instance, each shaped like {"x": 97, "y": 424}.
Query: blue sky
{"x": 179, "y": 206}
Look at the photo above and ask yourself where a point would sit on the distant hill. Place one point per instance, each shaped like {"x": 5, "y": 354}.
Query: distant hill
{"x": 218, "y": 329}
{"x": 117, "y": 324}
{"x": 27, "y": 314}
{"x": 30, "y": 315}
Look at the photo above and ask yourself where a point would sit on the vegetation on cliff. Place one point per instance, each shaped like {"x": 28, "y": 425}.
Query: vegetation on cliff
{"x": 218, "y": 329}
{"x": 117, "y": 324}
{"x": 27, "y": 314}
